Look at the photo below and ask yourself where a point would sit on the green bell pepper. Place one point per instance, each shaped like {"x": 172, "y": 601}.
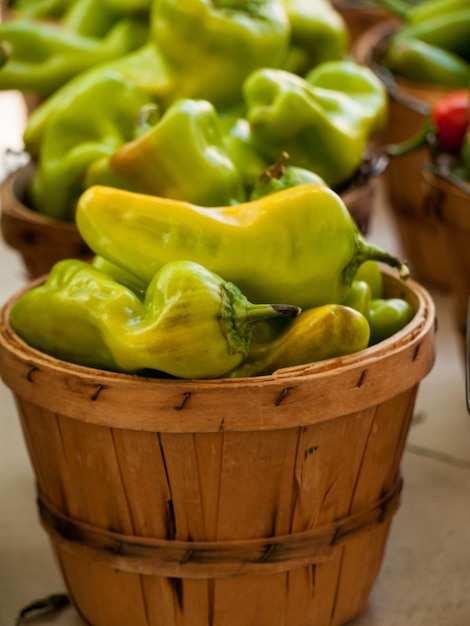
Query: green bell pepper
{"x": 300, "y": 245}
{"x": 182, "y": 157}
{"x": 44, "y": 56}
{"x": 233, "y": 38}
{"x": 322, "y": 122}
{"x": 319, "y": 34}
{"x": 191, "y": 324}
{"x": 74, "y": 141}
{"x": 324, "y": 332}
{"x": 387, "y": 316}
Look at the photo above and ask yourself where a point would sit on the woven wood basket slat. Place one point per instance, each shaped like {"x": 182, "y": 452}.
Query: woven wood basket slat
{"x": 166, "y": 509}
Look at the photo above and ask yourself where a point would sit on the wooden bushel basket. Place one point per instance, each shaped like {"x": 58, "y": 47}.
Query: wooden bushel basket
{"x": 231, "y": 502}
{"x": 409, "y": 104}
{"x": 40, "y": 240}
{"x": 448, "y": 198}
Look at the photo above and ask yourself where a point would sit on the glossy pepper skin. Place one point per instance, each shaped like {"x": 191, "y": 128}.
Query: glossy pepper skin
{"x": 73, "y": 142}
{"x": 319, "y": 34}
{"x": 322, "y": 122}
{"x": 182, "y": 156}
{"x": 192, "y": 324}
{"x": 44, "y": 56}
{"x": 300, "y": 245}
{"x": 324, "y": 332}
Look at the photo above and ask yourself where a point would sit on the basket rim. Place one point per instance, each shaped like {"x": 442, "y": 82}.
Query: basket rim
{"x": 407, "y": 92}
{"x": 280, "y": 400}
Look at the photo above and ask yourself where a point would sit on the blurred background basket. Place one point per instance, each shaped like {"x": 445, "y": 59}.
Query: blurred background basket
{"x": 40, "y": 240}
{"x": 419, "y": 232}
{"x": 448, "y": 199}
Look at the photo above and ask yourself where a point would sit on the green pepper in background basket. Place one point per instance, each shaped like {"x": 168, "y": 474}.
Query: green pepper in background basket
{"x": 44, "y": 56}
{"x": 182, "y": 157}
{"x": 192, "y": 323}
{"x": 300, "y": 245}
{"x": 432, "y": 43}
{"x": 322, "y": 122}
{"x": 319, "y": 34}
{"x": 75, "y": 141}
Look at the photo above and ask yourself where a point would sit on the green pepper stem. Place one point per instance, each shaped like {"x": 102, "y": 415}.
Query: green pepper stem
{"x": 424, "y": 137}
{"x": 258, "y": 312}
{"x": 369, "y": 252}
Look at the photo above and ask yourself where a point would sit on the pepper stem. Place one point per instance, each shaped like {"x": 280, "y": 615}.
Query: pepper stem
{"x": 424, "y": 137}
{"x": 257, "y": 312}
{"x": 369, "y": 252}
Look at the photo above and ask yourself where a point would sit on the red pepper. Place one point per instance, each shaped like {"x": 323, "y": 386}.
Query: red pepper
{"x": 443, "y": 130}
{"x": 450, "y": 116}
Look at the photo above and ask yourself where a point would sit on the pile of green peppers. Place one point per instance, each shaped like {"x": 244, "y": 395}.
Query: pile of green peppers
{"x": 260, "y": 79}
{"x": 154, "y": 301}
{"x": 433, "y": 43}
{"x": 192, "y": 151}
{"x": 200, "y": 172}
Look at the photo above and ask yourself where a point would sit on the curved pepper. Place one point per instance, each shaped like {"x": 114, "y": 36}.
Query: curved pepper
{"x": 44, "y": 56}
{"x": 319, "y": 34}
{"x": 324, "y": 332}
{"x": 323, "y": 129}
{"x": 300, "y": 245}
{"x": 182, "y": 157}
{"x": 73, "y": 142}
{"x": 435, "y": 50}
{"x": 192, "y": 324}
